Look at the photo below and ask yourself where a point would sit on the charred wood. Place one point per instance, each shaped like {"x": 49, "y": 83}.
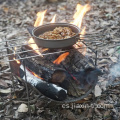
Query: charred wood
{"x": 48, "y": 89}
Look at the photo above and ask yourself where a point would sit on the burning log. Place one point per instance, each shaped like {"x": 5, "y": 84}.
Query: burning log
{"x": 56, "y": 80}
{"x": 48, "y": 89}
{"x": 74, "y": 61}
{"x": 56, "y": 74}
{"x": 39, "y": 65}
{"x": 59, "y": 68}
{"x": 61, "y": 78}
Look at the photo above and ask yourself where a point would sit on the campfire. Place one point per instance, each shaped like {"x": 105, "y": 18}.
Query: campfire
{"x": 59, "y": 73}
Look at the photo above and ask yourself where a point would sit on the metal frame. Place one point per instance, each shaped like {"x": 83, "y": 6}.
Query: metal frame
{"x": 17, "y": 52}
{"x": 8, "y": 45}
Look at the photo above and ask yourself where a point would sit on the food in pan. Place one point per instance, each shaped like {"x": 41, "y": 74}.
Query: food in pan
{"x": 58, "y": 33}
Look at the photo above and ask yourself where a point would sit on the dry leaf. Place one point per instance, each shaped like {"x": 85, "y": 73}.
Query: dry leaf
{"x": 114, "y": 59}
{"x": 40, "y": 111}
{"x": 5, "y": 9}
{"x": 111, "y": 51}
{"x": 23, "y": 108}
{"x": 107, "y": 113}
{"x": 5, "y": 91}
{"x": 3, "y": 63}
{"x": 97, "y": 112}
{"x": 9, "y": 82}
{"x": 53, "y": 0}
{"x": 3, "y": 83}
{"x": 89, "y": 113}
{"x": 12, "y": 35}
{"x": 103, "y": 61}
{"x": 68, "y": 114}
{"x": 118, "y": 6}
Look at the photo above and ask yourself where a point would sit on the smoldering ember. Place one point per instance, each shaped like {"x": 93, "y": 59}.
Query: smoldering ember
{"x": 59, "y": 60}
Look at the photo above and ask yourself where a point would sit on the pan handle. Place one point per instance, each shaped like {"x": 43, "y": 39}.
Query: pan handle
{"x": 30, "y": 29}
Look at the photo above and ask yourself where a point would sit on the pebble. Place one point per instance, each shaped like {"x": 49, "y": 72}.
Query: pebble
{"x": 23, "y": 108}
{"x": 111, "y": 51}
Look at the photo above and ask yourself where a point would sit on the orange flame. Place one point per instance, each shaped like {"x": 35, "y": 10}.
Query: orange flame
{"x": 18, "y": 62}
{"x": 80, "y": 44}
{"x": 40, "y": 18}
{"x": 36, "y": 75}
{"x": 83, "y": 31}
{"x": 78, "y": 16}
{"x": 61, "y": 58}
{"x": 34, "y": 46}
{"x": 53, "y": 19}
{"x": 38, "y": 22}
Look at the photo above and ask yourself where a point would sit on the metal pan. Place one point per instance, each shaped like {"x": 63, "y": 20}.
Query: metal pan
{"x": 61, "y": 43}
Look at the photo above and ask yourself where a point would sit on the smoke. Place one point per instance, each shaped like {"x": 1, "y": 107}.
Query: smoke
{"x": 115, "y": 70}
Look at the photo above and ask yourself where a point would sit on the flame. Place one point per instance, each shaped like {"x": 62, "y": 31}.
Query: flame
{"x": 34, "y": 46}
{"x": 53, "y": 19}
{"x": 81, "y": 45}
{"x": 40, "y": 18}
{"x": 61, "y": 58}
{"x": 15, "y": 49}
{"x": 45, "y": 49}
{"x": 38, "y": 22}
{"x": 18, "y": 62}
{"x": 83, "y": 49}
{"x": 78, "y": 16}
{"x": 83, "y": 31}
{"x": 36, "y": 75}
